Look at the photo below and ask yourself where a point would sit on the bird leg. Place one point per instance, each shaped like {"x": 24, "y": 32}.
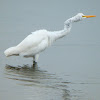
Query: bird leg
{"x": 35, "y": 59}
{"x": 34, "y": 64}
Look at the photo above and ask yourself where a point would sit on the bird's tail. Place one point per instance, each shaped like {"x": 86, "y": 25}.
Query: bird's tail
{"x": 11, "y": 51}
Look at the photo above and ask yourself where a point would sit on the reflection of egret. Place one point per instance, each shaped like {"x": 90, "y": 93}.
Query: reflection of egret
{"x": 27, "y": 73}
{"x": 38, "y": 41}
{"x": 35, "y": 77}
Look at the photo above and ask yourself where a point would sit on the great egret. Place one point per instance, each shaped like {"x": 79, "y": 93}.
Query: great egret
{"x": 39, "y": 40}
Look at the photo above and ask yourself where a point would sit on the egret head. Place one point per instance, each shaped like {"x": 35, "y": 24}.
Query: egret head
{"x": 81, "y": 16}
{"x": 76, "y": 18}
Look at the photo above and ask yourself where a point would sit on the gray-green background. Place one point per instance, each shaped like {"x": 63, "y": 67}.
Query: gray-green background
{"x": 69, "y": 70}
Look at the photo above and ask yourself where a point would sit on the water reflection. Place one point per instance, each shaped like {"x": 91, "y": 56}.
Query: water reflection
{"x": 34, "y": 76}
{"x": 28, "y": 74}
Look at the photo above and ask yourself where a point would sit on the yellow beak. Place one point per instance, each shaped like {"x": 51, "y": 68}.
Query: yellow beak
{"x": 88, "y": 16}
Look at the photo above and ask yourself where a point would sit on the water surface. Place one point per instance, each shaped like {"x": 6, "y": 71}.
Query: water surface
{"x": 69, "y": 70}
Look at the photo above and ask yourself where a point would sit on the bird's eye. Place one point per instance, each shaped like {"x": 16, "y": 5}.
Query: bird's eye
{"x": 83, "y": 16}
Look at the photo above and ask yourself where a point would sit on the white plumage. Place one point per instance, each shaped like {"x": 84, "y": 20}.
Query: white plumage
{"x": 39, "y": 40}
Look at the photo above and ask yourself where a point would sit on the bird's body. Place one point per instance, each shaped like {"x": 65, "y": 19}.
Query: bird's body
{"x": 34, "y": 43}
{"x": 39, "y": 40}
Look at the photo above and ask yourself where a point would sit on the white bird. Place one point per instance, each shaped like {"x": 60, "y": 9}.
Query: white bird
{"x": 39, "y": 40}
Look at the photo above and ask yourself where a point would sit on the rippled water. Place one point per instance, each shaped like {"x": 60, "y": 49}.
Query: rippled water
{"x": 54, "y": 80}
{"x": 69, "y": 70}
{"x": 36, "y": 84}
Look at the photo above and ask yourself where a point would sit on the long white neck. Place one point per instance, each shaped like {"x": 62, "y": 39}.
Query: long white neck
{"x": 55, "y": 35}
{"x": 68, "y": 23}
{"x": 67, "y": 27}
